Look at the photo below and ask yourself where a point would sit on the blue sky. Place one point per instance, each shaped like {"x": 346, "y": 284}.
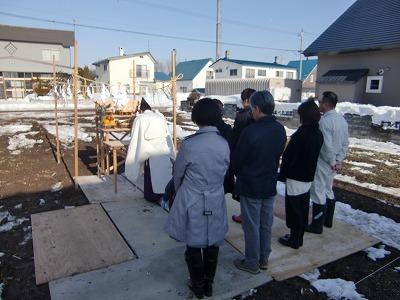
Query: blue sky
{"x": 274, "y": 25}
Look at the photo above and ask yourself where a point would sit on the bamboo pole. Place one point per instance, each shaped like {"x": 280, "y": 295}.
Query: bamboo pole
{"x": 56, "y": 112}
{"x": 173, "y": 92}
{"x": 133, "y": 79}
{"x": 76, "y": 152}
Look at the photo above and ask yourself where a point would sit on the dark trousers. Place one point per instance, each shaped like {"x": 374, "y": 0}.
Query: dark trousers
{"x": 297, "y": 212}
{"x": 149, "y": 195}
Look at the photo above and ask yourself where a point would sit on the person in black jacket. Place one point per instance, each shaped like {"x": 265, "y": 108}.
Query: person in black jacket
{"x": 255, "y": 162}
{"x": 243, "y": 119}
{"x": 299, "y": 162}
{"x": 226, "y": 132}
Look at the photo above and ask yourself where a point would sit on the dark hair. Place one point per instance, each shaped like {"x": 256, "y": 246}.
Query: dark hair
{"x": 220, "y": 105}
{"x": 330, "y": 97}
{"x": 144, "y": 105}
{"x": 264, "y": 101}
{"x": 206, "y": 112}
{"x": 246, "y": 94}
{"x": 309, "y": 113}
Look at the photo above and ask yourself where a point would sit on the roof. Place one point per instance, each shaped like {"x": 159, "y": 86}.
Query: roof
{"x": 366, "y": 25}
{"x": 106, "y": 60}
{"x": 190, "y": 69}
{"x": 161, "y": 76}
{"x": 36, "y": 35}
{"x": 254, "y": 63}
{"x": 307, "y": 66}
{"x": 343, "y": 76}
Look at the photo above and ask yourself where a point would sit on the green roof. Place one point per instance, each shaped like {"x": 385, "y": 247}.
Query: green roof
{"x": 190, "y": 69}
{"x": 308, "y": 66}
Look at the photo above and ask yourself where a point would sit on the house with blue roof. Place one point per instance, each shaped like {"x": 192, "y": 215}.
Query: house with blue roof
{"x": 194, "y": 74}
{"x": 359, "y": 54}
{"x": 308, "y": 76}
{"x": 227, "y": 68}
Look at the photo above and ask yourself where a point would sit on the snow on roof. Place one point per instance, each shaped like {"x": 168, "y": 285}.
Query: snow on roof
{"x": 255, "y": 63}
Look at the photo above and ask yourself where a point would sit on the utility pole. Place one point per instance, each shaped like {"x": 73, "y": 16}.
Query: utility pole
{"x": 218, "y": 33}
{"x": 301, "y": 35}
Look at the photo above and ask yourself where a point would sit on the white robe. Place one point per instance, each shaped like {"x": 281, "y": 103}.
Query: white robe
{"x": 334, "y": 149}
{"x": 150, "y": 140}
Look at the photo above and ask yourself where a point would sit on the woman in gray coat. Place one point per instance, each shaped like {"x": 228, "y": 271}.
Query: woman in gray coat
{"x": 198, "y": 215}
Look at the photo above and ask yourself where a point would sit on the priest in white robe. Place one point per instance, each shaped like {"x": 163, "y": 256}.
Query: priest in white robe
{"x": 151, "y": 153}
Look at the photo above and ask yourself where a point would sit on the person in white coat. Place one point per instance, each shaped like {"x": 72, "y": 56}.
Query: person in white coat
{"x": 334, "y": 150}
{"x": 150, "y": 149}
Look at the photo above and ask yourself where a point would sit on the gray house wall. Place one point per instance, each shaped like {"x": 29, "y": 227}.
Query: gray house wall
{"x": 28, "y": 58}
{"x": 388, "y": 60}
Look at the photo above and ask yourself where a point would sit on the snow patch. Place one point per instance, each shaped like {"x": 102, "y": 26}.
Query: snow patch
{"x": 371, "y": 186}
{"x": 380, "y": 227}
{"x": 385, "y": 147}
{"x": 42, "y": 202}
{"x": 311, "y": 276}
{"x": 359, "y": 164}
{"x": 27, "y": 238}
{"x": 337, "y": 289}
{"x": 18, "y": 206}
{"x": 56, "y": 187}
{"x": 20, "y": 141}
{"x": 11, "y": 221}
{"x": 375, "y": 253}
{"x": 66, "y": 133}
{"x": 69, "y": 206}
{"x": 361, "y": 170}
{"x": 11, "y": 129}
{"x": 1, "y": 255}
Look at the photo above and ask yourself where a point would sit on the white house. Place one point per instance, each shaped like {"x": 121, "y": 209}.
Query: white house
{"x": 195, "y": 73}
{"x": 117, "y": 70}
{"x": 226, "y": 68}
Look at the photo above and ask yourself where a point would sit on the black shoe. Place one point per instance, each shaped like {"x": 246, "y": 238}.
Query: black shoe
{"x": 330, "y": 211}
{"x": 291, "y": 240}
{"x": 210, "y": 267}
{"x": 318, "y": 218}
{"x": 195, "y": 265}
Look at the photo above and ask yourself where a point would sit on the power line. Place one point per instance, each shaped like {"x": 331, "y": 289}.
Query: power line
{"x": 204, "y": 16}
{"x": 159, "y": 35}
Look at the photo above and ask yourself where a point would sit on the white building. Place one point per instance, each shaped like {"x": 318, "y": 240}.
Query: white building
{"x": 117, "y": 70}
{"x": 226, "y": 68}
{"x": 195, "y": 73}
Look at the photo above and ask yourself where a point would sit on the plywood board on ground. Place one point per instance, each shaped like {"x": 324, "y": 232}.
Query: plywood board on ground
{"x": 101, "y": 189}
{"x": 75, "y": 240}
{"x": 162, "y": 276}
{"x": 284, "y": 262}
{"x": 142, "y": 225}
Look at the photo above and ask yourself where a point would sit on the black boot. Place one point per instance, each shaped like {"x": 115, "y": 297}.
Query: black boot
{"x": 291, "y": 240}
{"x": 318, "y": 218}
{"x": 210, "y": 267}
{"x": 195, "y": 265}
{"x": 330, "y": 211}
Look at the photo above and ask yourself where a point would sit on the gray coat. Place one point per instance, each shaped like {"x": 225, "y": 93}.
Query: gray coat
{"x": 198, "y": 216}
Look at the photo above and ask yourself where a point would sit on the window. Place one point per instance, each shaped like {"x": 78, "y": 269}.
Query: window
{"x": 11, "y": 74}
{"x": 210, "y": 74}
{"x": 141, "y": 71}
{"x": 233, "y": 72}
{"x": 47, "y": 55}
{"x": 289, "y": 75}
{"x": 250, "y": 73}
{"x": 183, "y": 89}
{"x": 262, "y": 72}
{"x": 105, "y": 67}
{"x": 218, "y": 70}
{"x": 374, "y": 84}
{"x": 279, "y": 73}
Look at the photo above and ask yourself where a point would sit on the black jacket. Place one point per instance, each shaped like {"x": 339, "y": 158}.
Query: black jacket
{"x": 255, "y": 159}
{"x": 242, "y": 120}
{"x": 226, "y": 131}
{"x": 299, "y": 161}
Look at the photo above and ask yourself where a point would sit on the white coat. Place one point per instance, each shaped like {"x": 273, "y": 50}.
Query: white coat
{"x": 334, "y": 150}
{"x": 150, "y": 140}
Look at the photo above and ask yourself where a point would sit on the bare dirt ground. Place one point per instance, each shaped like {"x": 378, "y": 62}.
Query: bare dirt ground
{"x": 27, "y": 178}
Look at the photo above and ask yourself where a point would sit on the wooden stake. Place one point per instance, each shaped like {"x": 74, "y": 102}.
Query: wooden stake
{"x": 55, "y": 111}
{"x": 133, "y": 79}
{"x": 76, "y": 152}
{"x": 173, "y": 92}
